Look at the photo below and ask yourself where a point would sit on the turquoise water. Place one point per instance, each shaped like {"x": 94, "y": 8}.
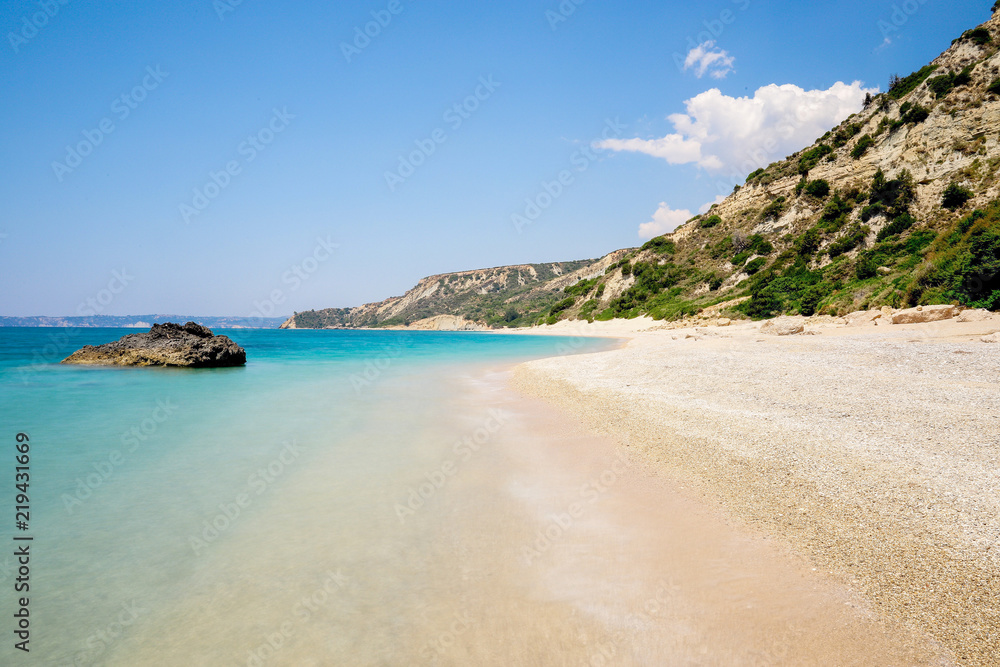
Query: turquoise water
{"x": 183, "y": 512}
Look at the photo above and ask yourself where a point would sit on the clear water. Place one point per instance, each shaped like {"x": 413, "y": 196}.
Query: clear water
{"x": 182, "y": 516}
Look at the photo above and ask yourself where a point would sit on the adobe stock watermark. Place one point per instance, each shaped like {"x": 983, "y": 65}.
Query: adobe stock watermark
{"x": 31, "y": 25}
{"x": 257, "y": 484}
{"x": 249, "y": 149}
{"x": 901, "y": 14}
{"x": 559, "y": 524}
{"x": 455, "y": 116}
{"x": 363, "y": 36}
{"x": 302, "y": 612}
{"x": 438, "y": 647}
{"x": 294, "y": 277}
{"x": 552, "y": 190}
{"x": 121, "y": 108}
{"x": 462, "y": 450}
{"x": 562, "y": 13}
{"x": 99, "y": 641}
{"x": 714, "y": 29}
{"x": 376, "y": 367}
{"x": 131, "y": 441}
{"x": 223, "y": 7}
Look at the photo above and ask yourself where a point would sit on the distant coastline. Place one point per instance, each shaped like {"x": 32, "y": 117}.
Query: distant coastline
{"x": 140, "y": 321}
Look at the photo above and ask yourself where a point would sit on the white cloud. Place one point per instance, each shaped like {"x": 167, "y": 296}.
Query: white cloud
{"x": 720, "y": 133}
{"x": 705, "y": 58}
{"x": 673, "y": 148}
{"x": 664, "y": 221}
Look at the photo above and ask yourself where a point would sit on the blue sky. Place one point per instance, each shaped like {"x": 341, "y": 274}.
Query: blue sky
{"x": 245, "y": 168}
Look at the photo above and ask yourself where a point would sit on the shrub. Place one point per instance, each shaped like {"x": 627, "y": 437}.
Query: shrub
{"x": 849, "y": 131}
{"x": 755, "y": 266}
{"x": 942, "y": 85}
{"x": 819, "y": 189}
{"x": 809, "y": 243}
{"x": 900, "y": 88}
{"x": 893, "y": 197}
{"x": 897, "y": 226}
{"x": 661, "y": 245}
{"x": 955, "y": 197}
{"x": 626, "y": 268}
{"x": 774, "y": 210}
{"x": 755, "y": 174}
{"x": 913, "y": 114}
{"x": 867, "y": 266}
{"x": 565, "y": 304}
{"x": 835, "y": 214}
{"x": 811, "y": 157}
{"x": 715, "y": 282}
{"x": 851, "y": 240}
{"x": 864, "y": 143}
{"x": 978, "y": 36}
{"x": 711, "y": 221}
{"x": 994, "y": 87}
{"x": 811, "y": 299}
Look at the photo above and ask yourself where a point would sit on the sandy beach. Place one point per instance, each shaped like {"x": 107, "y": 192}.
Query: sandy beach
{"x": 871, "y": 451}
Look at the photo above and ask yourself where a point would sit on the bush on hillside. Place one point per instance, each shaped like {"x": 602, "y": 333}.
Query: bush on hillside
{"x": 864, "y": 143}
{"x": 901, "y": 87}
{"x": 819, "y": 189}
{"x": 711, "y": 221}
{"x": 955, "y": 197}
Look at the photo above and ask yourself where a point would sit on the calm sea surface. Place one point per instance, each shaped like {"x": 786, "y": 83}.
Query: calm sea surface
{"x": 272, "y": 514}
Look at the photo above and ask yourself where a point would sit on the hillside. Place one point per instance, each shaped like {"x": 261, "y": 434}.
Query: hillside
{"x": 503, "y": 296}
{"x": 898, "y": 206}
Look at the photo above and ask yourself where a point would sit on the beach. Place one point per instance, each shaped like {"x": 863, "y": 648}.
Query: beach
{"x": 869, "y": 451}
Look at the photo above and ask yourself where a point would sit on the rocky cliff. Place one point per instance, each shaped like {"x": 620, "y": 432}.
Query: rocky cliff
{"x": 504, "y": 296}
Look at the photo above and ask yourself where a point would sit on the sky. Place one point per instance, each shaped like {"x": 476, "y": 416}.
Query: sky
{"x": 247, "y": 158}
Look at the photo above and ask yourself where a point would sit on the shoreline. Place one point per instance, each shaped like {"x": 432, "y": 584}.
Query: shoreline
{"x": 870, "y": 450}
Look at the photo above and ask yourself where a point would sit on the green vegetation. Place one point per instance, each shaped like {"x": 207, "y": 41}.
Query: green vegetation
{"x": 774, "y": 210}
{"x": 900, "y": 88}
{"x": 864, "y": 143}
{"x": 711, "y": 221}
{"x": 955, "y": 197}
{"x": 942, "y": 85}
{"x": 661, "y": 245}
{"x": 994, "y": 87}
{"x": 889, "y": 198}
{"x": 854, "y": 237}
{"x": 845, "y": 134}
{"x": 819, "y": 189}
{"x": 980, "y": 36}
{"x": 581, "y": 288}
{"x": 897, "y": 226}
{"x": 963, "y": 264}
{"x": 811, "y": 157}
{"x": 835, "y": 214}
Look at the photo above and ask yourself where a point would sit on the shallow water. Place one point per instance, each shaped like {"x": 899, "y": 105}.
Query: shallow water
{"x": 379, "y": 499}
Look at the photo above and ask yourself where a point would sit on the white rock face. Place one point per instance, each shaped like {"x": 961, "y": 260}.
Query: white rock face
{"x": 922, "y": 314}
{"x": 782, "y": 326}
{"x": 975, "y": 315}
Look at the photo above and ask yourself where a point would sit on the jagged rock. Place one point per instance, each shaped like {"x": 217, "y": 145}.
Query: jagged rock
{"x": 975, "y": 315}
{"x": 169, "y": 344}
{"x": 922, "y": 314}
{"x": 724, "y": 322}
{"x": 884, "y": 270}
{"x": 991, "y": 338}
{"x": 782, "y": 326}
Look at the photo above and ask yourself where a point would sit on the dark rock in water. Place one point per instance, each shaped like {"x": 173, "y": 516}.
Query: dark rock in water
{"x": 191, "y": 346}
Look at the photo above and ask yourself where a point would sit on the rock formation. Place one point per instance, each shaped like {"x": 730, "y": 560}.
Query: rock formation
{"x": 190, "y": 346}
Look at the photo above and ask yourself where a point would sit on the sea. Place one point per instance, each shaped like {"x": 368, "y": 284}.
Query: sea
{"x": 304, "y": 509}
